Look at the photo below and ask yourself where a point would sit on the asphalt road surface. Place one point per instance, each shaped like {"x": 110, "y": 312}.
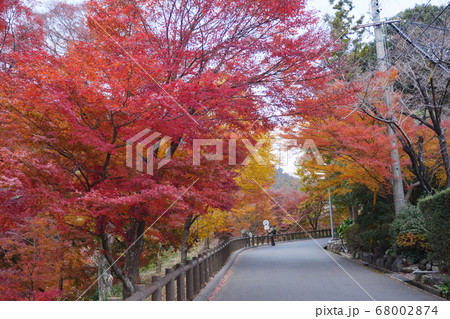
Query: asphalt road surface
{"x": 302, "y": 270}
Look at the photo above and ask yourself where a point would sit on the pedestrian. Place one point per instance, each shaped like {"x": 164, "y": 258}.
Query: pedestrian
{"x": 272, "y": 233}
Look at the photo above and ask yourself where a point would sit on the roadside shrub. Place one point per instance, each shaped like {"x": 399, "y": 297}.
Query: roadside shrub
{"x": 342, "y": 227}
{"x": 351, "y": 237}
{"x": 436, "y": 210}
{"x": 373, "y": 227}
{"x": 370, "y": 230}
{"x": 409, "y": 235}
{"x": 378, "y": 237}
{"x": 444, "y": 289}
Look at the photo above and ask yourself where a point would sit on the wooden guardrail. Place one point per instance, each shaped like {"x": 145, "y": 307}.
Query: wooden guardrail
{"x": 184, "y": 282}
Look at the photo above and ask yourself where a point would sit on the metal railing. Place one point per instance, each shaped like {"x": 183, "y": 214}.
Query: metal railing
{"x": 184, "y": 282}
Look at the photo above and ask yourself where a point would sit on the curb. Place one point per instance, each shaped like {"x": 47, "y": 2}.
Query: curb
{"x": 395, "y": 275}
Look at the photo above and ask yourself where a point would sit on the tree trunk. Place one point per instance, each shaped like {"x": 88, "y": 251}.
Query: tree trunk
{"x": 135, "y": 245}
{"x": 420, "y": 171}
{"x": 314, "y": 221}
{"x": 352, "y": 213}
{"x": 127, "y": 284}
{"x": 410, "y": 190}
{"x": 445, "y": 156}
{"x": 158, "y": 259}
{"x": 184, "y": 240}
{"x": 104, "y": 275}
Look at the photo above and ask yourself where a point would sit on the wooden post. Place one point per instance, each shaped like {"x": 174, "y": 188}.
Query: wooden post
{"x": 181, "y": 288}
{"x": 157, "y": 295}
{"x": 213, "y": 262}
{"x": 190, "y": 281}
{"x": 201, "y": 270}
{"x": 195, "y": 262}
{"x": 207, "y": 265}
{"x": 170, "y": 287}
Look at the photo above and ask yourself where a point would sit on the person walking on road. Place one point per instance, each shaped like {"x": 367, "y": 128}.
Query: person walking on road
{"x": 272, "y": 232}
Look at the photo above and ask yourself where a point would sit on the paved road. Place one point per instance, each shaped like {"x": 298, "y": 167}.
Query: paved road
{"x": 302, "y": 270}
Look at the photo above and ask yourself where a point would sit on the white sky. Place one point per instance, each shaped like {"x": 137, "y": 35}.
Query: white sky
{"x": 389, "y": 8}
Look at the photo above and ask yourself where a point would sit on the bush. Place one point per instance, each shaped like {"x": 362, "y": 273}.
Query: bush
{"x": 410, "y": 220}
{"x": 436, "y": 210}
{"x": 342, "y": 227}
{"x": 370, "y": 230}
{"x": 378, "y": 237}
{"x": 444, "y": 289}
{"x": 373, "y": 230}
{"x": 351, "y": 237}
{"x": 409, "y": 235}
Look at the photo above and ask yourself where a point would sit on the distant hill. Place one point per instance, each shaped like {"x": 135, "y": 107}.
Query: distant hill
{"x": 285, "y": 181}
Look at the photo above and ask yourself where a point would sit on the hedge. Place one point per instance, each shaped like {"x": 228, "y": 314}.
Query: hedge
{"x": 436, "y": 210}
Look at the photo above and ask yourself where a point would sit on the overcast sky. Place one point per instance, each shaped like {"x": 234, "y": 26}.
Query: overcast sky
{"x": 389, "y": 8}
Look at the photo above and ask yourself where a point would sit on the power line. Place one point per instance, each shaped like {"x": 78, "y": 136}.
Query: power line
{"x": 418, "y": 48}
{"x": 411, "y": 41}
{"x": 431, "y": 27}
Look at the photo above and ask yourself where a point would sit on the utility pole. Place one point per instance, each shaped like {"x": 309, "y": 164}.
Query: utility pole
{"x": 331, "y": 214}
{"x": 397, "y": 182}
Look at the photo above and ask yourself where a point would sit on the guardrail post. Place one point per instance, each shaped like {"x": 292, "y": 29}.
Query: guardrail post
{"x": 190, "y": 280}
{"x": 201, "y": 269}
{"x": 213, "y": 261}
{"x": 181, "y": 288}
{"x": 207, "y": 265}
{"x": 170, "y": 287}
{"x": 195, "y": 263}
{"x": 157, "y": 295}
{"x": 140, "y": 288}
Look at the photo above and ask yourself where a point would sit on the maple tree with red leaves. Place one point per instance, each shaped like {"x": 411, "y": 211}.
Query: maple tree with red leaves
{"x": 185, "y": 69}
